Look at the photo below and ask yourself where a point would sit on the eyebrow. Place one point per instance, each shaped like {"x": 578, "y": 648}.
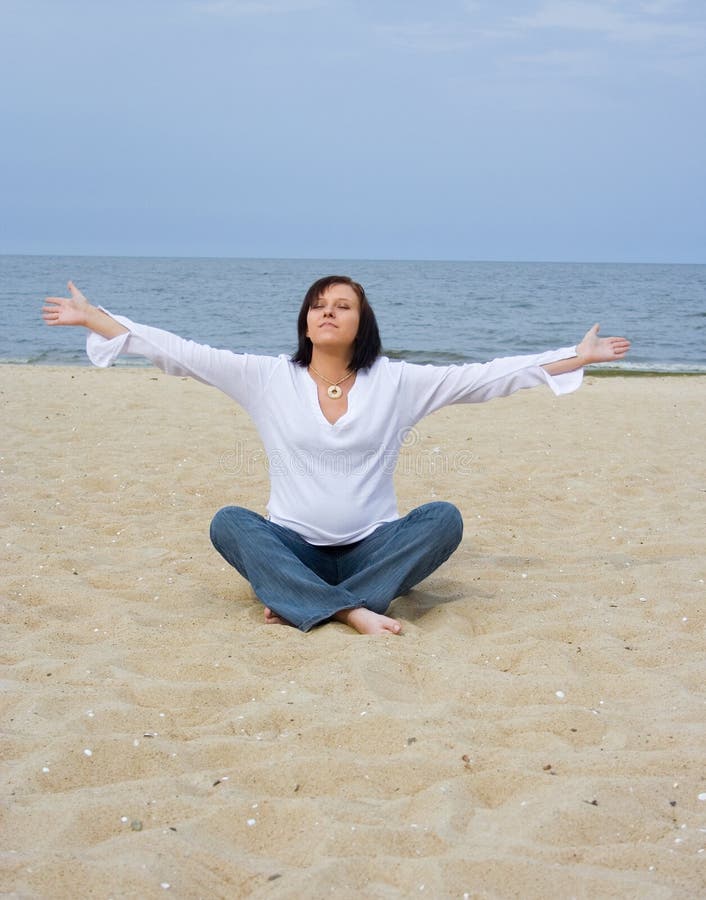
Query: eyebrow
{"x": 335, "y": 300}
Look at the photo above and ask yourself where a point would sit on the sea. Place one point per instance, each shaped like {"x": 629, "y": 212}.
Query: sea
{"x": 428, "y": 311}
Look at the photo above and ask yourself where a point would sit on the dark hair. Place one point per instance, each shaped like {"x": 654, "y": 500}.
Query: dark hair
{"x": 367, "y": 345}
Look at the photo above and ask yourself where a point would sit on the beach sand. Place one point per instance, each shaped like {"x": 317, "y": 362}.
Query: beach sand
{"x": 538, "y": 731}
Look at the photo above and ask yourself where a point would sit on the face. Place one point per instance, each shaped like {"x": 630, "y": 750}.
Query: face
{"x": 333, "y": 319}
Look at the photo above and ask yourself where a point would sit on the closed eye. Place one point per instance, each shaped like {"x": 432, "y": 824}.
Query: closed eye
{"x": 338, "y": 306}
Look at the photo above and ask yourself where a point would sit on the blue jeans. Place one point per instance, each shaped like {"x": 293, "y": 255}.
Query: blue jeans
{"x": 306, "y": 584}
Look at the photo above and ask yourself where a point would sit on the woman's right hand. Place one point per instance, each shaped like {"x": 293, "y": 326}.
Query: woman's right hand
{"x": 73, "y": 310}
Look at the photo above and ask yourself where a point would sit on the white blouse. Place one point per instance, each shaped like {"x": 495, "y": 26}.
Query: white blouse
{"x": 332, "y": 483}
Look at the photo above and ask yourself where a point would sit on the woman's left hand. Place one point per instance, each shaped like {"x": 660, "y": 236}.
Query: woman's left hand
{"x": 593, "y": 349}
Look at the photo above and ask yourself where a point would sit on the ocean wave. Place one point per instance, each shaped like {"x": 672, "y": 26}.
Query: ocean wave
{"x": 419, "y": 357}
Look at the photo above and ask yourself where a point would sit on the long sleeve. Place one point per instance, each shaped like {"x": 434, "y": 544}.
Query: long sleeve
{"x": 424, "y": 389}
{"x": 242, "y": 376}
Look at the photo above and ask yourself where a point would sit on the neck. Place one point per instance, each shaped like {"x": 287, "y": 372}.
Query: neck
{"x": 330, "y": 365}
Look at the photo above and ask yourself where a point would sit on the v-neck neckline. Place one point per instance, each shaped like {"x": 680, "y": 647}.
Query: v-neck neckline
{"x": 317, "y": 405}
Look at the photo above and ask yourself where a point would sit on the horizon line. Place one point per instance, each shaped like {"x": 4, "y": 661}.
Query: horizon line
{"x": 362, "y": 259}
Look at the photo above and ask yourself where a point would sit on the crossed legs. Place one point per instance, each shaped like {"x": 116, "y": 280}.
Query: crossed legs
{"x": 303, "y": 585}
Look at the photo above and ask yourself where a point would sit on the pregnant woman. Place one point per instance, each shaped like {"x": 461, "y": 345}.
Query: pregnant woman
{"x": 332, "y": 418}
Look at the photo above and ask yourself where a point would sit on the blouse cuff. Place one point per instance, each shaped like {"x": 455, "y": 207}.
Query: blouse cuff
{"x": 567, "y": 382}
{"x": 103, "y": 352}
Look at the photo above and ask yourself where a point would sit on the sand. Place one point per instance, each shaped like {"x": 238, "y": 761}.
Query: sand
{"x": 538, "y": 731}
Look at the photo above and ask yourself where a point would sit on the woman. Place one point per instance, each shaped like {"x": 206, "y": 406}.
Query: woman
{"x": 332, "y": 420}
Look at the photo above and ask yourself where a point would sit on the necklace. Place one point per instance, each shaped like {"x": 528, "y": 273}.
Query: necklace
{"x": 334, "y": 390}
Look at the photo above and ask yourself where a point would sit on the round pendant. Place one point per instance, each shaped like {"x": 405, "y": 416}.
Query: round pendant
{"x": 334, "y": 392}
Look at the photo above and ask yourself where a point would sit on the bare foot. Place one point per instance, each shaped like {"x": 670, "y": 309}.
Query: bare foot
{"x": 273, "y": 619}
{"x": 365, "y": 621}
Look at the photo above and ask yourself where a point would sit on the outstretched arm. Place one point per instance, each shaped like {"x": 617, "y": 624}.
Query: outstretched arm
{"x": 592, "y": 349}
{"x": 76, "y": 310}
{"x": 241, "y": 376}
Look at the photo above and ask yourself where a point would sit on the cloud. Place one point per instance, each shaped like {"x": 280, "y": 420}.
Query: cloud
{"x": 673, "y": 24}
{"x": 571, "y": 62}
{"x": 574, "y": 16}
{"x": 615, "y": 21}
{"x": 243, "y": 8}
{"x": 661, "y": 7}
{"x": 427, "y": 37}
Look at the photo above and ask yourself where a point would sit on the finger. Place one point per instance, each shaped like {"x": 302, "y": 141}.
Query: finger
{"x": 56, "y": 300}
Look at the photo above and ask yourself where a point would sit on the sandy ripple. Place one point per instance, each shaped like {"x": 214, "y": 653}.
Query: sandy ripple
{"x": 537, "y": 731}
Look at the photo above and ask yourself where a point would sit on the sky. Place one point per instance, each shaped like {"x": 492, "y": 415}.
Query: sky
{"x": 355, "y": 129}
